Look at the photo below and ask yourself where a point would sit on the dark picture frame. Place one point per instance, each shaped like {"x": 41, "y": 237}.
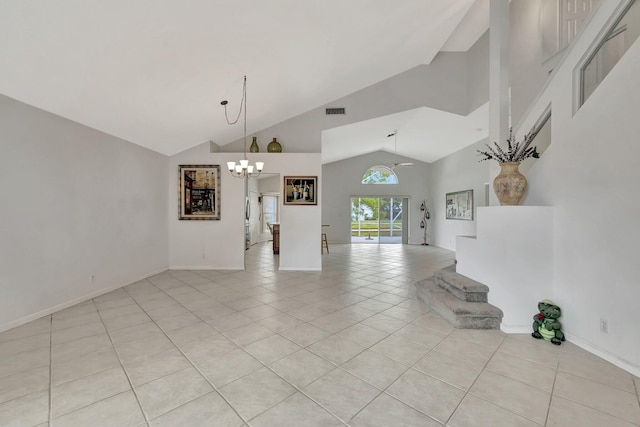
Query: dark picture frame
{"x": 300, "y": 190}
{"x": 459, "y": 205}
{"x": 198, "y": 192}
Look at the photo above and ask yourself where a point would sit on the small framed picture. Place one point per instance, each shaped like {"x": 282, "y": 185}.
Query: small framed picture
{"x": 199, "y": 192}
{"x": 300, "y": 190}
{"x": 460, "y": 205}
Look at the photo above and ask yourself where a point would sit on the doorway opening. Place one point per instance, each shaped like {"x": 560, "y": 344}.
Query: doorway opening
{"x": 263, "y": 201}
{"x": 379, "y": 220}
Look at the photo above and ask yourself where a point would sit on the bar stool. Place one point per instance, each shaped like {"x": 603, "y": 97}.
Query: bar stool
{"x": 323, "y": 242}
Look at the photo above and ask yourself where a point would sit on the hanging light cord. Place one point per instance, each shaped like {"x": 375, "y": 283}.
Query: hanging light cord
{"x": 243, "y": 106}
{"x": 243, "y": 169}
{"x": 395, "y": 141}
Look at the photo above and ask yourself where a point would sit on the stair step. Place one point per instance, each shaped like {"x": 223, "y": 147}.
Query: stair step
{"x": 461, "y": 286}
{"x": 460, "y": 314}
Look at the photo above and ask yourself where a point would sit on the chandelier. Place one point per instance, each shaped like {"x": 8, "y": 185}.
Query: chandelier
{"x": 242, "y": 168}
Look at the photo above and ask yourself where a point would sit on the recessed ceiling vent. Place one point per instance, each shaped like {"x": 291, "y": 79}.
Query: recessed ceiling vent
{"x": 333, "y": 111}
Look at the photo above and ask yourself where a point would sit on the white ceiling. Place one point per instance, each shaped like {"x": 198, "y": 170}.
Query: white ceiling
{"x": 424, "y": 134}
{"x": 153, "y": 72}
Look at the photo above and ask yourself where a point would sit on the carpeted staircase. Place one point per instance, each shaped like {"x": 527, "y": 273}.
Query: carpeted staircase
{"x": 459, "y": 300}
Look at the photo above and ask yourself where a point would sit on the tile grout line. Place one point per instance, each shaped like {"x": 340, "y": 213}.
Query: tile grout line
{"x": 518, "y": 381}
{"x": 275, "y": 373}
{"x": 570, "y": 399}
{"x": 368, "y": 348}
{"x": 382, "y": 391}
{"x": 409, "y": 367}
{"x": 254, "y": 321}
{"x": 412, "y": 367}
{"x": 600, "y": 383}
{"x": 467, "y": 392}
{"x": 183, "y": 354}
{"x": 144, "y": 414}
{"x": 266, "y": 367}
{"x": 275, "y": 332}
{"x": 553, "y": 387}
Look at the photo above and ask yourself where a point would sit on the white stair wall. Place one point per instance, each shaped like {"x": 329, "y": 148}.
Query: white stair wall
{"x": 513, "y": 255}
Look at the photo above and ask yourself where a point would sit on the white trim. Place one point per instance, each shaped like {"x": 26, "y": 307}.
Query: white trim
{"x": 67, "y": 304}
{"x": 299, "y": 269}
{"x": 533, "y": 105}
{"x": 390, "y": 171}
{"x": 620, "y": 363}
{"x": 615, "y": 360}
{"x": 517, "y": 329}
{"x": 593, "y": 48}
{"x": 205, "y": 267}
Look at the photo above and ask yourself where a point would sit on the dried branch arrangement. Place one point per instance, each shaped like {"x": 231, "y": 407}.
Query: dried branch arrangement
{"x": 515, "y": 152}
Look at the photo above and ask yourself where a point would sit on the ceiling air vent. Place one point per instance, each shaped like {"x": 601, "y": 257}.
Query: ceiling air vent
{"x": 333, "y": 111}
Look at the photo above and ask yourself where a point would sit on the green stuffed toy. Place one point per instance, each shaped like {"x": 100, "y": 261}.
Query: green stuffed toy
{"x": 546, "y": 324}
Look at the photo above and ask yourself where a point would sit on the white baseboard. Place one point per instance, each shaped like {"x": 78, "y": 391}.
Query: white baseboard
{"x": 50, "y": 310}
{"x": 205, "y": 267}
{"x": 516, "y": 329}
{"x": 632, "y": 368}
{"x": 299, "y": 269}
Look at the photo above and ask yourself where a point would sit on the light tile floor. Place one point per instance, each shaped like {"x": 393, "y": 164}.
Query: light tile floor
{"x": 346, "y": 346}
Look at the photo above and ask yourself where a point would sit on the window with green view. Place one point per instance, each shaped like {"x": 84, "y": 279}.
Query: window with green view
{"x": 379, "y": 175}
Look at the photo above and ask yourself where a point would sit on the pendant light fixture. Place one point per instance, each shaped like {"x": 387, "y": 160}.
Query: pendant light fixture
{"x": 394, "y": 134}
{"x": 242, "y": 168}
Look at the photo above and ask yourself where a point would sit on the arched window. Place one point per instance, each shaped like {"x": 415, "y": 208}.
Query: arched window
{"x": 379, "y": 175}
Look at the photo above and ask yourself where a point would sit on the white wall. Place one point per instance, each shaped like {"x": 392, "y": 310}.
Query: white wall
{"x": 270, "y": 184}
{"x": 457, "y": 82}
{"x": 457, "y": 172}
{"x": 300, "y": 226}
{"x": 75, "y": 202}
{"x": 220, "y": 244}
{"x": 207, "y": 244}
{"x": 513, "y": 254}
{"x": 343, "y": 179}
{"x": 528, "y": 66}
{"x": 441, "y": 84}
{"x": 590, "y": 175}
{"x": 478, "y": 73}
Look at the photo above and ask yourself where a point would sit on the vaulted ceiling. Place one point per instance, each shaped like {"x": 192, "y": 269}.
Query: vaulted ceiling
{"x": 154, "y": 72}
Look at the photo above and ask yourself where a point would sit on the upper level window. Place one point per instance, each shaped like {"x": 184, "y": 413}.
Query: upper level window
{"x": 379, "y": 175}
{"x": 609, "y": 52}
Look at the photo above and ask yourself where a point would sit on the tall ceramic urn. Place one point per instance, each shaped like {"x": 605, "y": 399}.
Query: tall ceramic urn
{"x": 510, "y": 185}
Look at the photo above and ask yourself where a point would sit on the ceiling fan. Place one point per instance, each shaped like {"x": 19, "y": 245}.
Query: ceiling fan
{"x": 395, "y": 150}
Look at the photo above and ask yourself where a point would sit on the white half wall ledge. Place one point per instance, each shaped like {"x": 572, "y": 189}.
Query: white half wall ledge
{"x": 71, "y": 303}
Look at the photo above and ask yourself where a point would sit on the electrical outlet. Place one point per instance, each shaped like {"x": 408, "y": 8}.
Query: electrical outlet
{"x": 604, "y": 326}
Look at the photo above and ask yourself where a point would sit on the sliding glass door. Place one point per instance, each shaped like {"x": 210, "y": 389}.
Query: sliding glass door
{"x": 378, "y": 220}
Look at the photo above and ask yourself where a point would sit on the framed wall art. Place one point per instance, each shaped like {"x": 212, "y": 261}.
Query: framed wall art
{"x": 460, "y": 205}
{"x": 300, "y": 190}
{"x": 199, "y": 192}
